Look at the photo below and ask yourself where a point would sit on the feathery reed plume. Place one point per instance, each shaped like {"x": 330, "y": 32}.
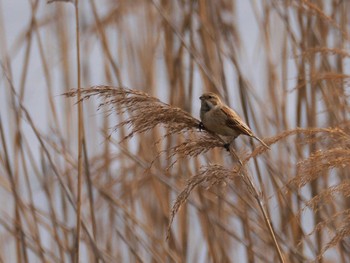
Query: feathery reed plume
{"x": 328, "y": 195}
{"x": 335, "y": 156}
{"x": 210, "y": 175}
{"x": 331, "y": 136}
{"x": 314, "y": 9}
{"x": 326, "y": 159}
{"x": 145, "y": 112}
{"x": 342, "y": 232}
{"x": 309, "y": 52}
{"x": 194, "y": 145}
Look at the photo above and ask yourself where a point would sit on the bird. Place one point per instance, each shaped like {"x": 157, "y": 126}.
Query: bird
{"x": 220, "y": 119}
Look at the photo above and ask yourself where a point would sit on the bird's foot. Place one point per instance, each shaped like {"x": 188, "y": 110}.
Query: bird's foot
{"x": 201, "y": 126}
{"x": 227, "y": 146}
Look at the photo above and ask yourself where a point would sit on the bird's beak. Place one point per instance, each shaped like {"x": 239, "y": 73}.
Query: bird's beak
{"x": 201, "y": 97}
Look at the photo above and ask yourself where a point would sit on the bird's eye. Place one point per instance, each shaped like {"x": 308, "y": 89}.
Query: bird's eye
{"x": 210, "y": 97}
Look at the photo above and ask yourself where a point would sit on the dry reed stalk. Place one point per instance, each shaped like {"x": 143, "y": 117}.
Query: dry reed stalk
{"x": 20, "y": 242}
{"x": 80, "y": 135}
{"x": 65, "y": 189}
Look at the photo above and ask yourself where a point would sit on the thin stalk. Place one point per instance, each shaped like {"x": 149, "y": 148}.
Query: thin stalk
{"x": 259, "y": 199}
{"x": 20, "y": 240}
{"x": 54, "y": 168}
{"x": 80, "y": 135}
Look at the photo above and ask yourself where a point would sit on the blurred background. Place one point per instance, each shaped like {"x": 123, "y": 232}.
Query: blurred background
{"x": 282, "y": 65}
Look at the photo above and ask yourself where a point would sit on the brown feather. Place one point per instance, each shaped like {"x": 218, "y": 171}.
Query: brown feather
{"x": 235, "y": 122}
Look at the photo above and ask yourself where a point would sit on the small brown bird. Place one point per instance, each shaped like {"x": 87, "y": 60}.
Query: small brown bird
{"x": 220, "y": 119}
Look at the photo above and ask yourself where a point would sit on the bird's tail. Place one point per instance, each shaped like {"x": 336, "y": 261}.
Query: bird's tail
{"x": 262, "y": 142}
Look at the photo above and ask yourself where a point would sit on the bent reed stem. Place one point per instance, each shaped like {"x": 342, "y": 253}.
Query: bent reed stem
{"x": 258, "y": 197}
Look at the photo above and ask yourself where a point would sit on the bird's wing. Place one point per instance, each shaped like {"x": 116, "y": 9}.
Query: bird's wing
{"x": 235, "y": 122}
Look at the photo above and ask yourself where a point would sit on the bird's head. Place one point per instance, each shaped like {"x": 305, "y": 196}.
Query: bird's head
{"x": 209, "y": 100}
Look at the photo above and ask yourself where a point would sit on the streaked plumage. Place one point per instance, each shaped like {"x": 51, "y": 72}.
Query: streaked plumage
{"x": 220, "y": 119}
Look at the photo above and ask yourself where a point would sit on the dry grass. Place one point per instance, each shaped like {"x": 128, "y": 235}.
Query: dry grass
{"x": 144, "y": 112}
{"x": 112, "y": 186}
